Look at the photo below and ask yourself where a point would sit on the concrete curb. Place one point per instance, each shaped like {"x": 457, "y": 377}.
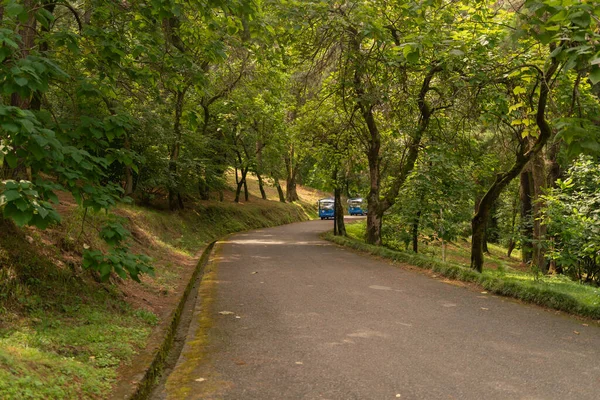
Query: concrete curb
{"x": 151, "y": 360}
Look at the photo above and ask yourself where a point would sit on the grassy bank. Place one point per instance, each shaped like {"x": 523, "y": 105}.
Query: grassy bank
{"x": 556, "y": 292}
{"x": 64, "y": 334}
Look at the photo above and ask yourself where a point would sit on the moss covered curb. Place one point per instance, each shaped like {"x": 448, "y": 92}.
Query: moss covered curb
{"x": 539, "y": 294}
{"x": 152, "y": 359}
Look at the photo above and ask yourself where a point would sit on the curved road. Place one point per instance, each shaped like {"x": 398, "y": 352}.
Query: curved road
{"x": 285, "y": 315}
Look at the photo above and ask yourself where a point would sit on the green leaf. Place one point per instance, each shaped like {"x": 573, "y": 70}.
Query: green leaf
{"x": 21, "y": 218}
{"x": 581, "y": 19}
{"x": 21, "y": 81}
{"x": 11, "y": 195}
{"x": 11, "y": 160}
{"x": 519, "y": 90}
{"x": 595, "y": 75}
{"x": 13, "y": 9}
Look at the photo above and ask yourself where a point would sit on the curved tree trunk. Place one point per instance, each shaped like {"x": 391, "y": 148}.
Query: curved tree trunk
{"x": 261, "y": 187}
{"x": 240, "y": 184}
{"x": 539, "y": 229}
{"x": 503, "y": 179}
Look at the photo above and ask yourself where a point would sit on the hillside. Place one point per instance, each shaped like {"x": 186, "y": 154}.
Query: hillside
{"x": 65, "y": 334}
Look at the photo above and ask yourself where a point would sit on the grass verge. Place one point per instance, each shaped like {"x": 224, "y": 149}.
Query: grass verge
{"x": 554, "y": 292}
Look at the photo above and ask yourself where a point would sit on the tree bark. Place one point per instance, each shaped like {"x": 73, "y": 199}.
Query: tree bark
{"x": 511, "y": 242}
{"x": 526, "y": 196}
{"x": 279, "y": 191}
{"x": 339, "y": 226}
{"x": 261, "y": 187}
{"x": 415, "y": 232}
{"x": 291, "y": 193}
{"x": 539, "y": 229}
{"x": 240, "y": 184}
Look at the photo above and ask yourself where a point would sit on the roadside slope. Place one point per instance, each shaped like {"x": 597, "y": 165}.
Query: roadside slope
{"x": 64, "y": 334}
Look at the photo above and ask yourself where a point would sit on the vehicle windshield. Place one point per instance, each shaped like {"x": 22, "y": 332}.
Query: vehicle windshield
{"x": 326, "y": 205}
{"x": 355, "y": 203}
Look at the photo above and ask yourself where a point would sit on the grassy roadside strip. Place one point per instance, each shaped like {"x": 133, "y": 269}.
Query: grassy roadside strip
{"x": 553, "y": 293}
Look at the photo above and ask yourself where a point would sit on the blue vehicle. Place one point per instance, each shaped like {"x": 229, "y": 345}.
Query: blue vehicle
{"x": 355, "y": 206}
{"x": 326, "y": 208}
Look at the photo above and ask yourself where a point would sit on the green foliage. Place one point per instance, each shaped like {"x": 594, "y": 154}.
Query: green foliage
{"x": 118, "y": 259}
{"x": 20, "y": 202}
{"x": 572, "y": 214}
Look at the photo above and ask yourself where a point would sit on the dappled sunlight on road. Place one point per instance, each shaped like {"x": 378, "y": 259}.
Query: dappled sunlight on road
{"x": 278, "y": 242}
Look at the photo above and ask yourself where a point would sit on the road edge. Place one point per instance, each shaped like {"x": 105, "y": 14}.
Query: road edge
{"x": 152, "y": 359}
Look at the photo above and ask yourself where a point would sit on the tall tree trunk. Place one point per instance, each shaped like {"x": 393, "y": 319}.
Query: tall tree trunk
{"x": 291, "y": 192}
{"x": 539, "y": 229}
{"x": 246, "y": 193}
{"x": 261, "y": 187}
{"x": 290, "y": 187}
{"x": 259, "y": 169}
{"x": 279, "y": 191}
{"x": 511, "y": 242}
{"x": 377, "y": 205}
{"x": 27, "y": 31}
{"x": 340, "y": 227}
{"x": 485, "y": 241}
{"x": 526, "y": 195}
{"x": 503, "y": 179}
{"x": 415, "y": 232}
{"x": 240, "y": 184}
{"x": 175, "y": 200}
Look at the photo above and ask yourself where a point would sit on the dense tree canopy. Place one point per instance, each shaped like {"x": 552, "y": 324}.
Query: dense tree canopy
{"x": 430, "y": 109}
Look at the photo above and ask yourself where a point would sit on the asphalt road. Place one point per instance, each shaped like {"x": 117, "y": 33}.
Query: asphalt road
{"x": 291, "y": 316}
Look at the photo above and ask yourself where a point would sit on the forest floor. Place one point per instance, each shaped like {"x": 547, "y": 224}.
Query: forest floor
{"x": 64, "y": 334}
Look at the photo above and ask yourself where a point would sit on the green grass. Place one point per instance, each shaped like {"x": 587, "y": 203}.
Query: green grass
{"x": 187, "y": 230}
{"x": 61, "y": 335}
{"x": 64, "y": 335}
{"x": 556, "y": 292}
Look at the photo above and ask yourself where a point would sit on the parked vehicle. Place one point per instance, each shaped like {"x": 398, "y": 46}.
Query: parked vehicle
{"x": 355, "y": 206}
{"x": 326, "y": 208}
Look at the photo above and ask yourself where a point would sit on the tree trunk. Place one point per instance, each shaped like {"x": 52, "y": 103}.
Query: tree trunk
{"x": 240, "y": 184}
{"x": 503, "y": 179}
{"x": 415, "y": 232}
{"x": 539, "y": 229}
{"x": 525, "y": 195}
{"x": 340, "y": 227}
{"x": 246, "y": 193}
{"x": 261, "y": 187}
{"x": 279, "y": 191}
{"x": 291, "y": 192}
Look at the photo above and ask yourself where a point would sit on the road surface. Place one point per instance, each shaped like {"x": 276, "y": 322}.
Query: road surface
{"x": 286, "y": 315}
